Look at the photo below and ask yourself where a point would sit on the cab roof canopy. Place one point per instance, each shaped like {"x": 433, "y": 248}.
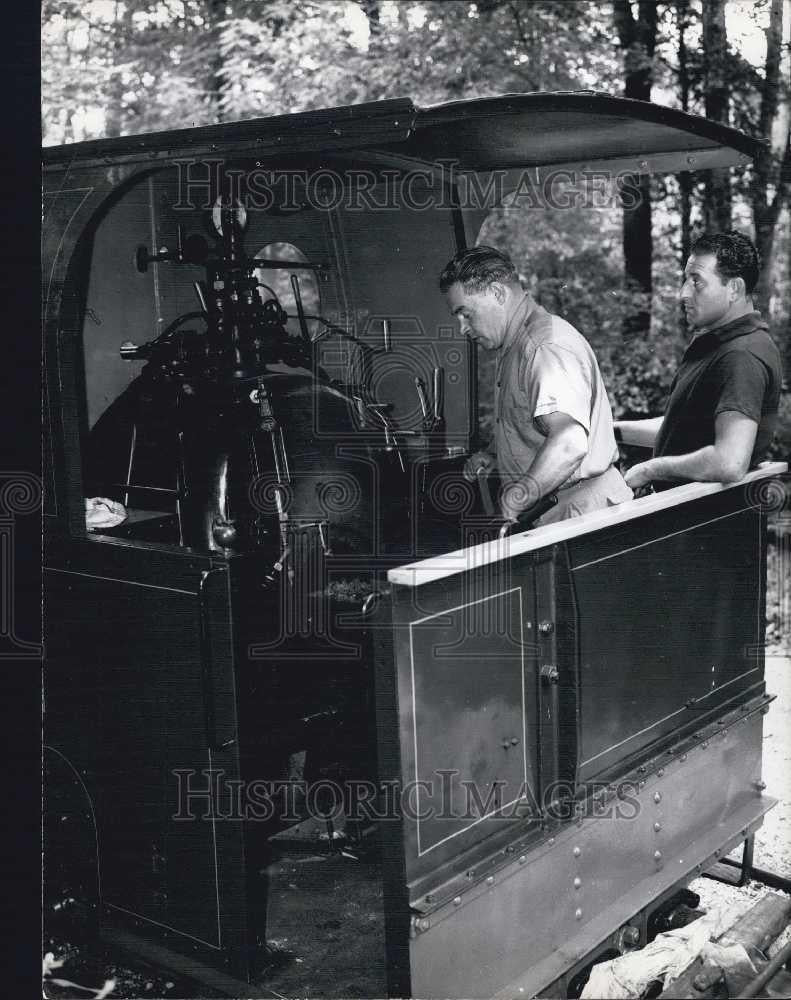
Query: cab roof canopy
{"x": 569, "y": 130}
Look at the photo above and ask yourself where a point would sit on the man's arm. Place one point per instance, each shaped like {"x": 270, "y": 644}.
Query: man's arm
{"x": 638, "y": 432}
{"x": 725, "y": 461}
{"x": 560, "y": 455}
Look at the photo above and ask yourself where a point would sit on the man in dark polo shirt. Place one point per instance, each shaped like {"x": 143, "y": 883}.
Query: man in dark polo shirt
{"x": 722, "y": 409}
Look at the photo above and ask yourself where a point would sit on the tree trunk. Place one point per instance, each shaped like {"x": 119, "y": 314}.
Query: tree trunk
{"x": 637, "y": 38}
{"x": 717, "y": 205}
{"x": 774, "y": 165}
{"x": 773, "y": 168}
{"x": 371, "y": 10}
{"x": 114, "y": 114}
{"x": 216, "y": 12}
{"x": 685, "y": 177}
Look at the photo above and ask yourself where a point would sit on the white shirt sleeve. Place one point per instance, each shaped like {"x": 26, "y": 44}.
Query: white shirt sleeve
{"x": 563, "y": 384}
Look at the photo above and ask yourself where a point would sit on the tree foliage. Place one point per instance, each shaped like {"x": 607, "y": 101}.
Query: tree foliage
{"x": 113, "y": 67}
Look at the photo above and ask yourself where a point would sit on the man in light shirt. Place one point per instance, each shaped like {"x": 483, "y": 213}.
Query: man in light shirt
{"x": 553, "y": 430}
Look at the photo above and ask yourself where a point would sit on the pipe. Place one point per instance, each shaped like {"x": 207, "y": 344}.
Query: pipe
{"x": 303, "y": 326}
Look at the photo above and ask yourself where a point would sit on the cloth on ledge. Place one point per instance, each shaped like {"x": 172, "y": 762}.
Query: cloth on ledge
{"x": 103, "y": 513}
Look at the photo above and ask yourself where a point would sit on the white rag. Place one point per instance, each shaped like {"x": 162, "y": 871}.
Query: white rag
{"x": 665, "y": 958}
{"x": 103, "y": 513}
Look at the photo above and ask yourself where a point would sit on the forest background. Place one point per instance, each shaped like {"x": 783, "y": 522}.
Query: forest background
{"x": 120, "y": 67}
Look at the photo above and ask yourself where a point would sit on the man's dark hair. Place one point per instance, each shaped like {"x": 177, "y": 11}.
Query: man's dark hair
{"x": 736, "y": 256}
{"x": 476, "y": 268}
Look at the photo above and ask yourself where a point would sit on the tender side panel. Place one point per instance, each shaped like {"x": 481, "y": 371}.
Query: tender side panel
{"x": 125, "y": 705}
{"x": 670, "y": 624}
{"x": 469, "y": 704}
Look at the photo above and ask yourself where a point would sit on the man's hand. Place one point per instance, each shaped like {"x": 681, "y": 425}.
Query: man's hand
{"x": 639, "y": 475}
{"x": 519, "y": 497}
{"x": 558, "y": 458}
{"x": 478, "y": 464}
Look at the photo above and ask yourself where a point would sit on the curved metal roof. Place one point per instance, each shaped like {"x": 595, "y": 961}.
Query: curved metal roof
{"x": 512, "y": 130}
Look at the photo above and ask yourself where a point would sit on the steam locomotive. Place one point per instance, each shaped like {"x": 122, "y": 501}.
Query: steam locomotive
{"x": 290, "y": 629}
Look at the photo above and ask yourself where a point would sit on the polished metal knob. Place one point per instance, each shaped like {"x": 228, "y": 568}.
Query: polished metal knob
{"x": 549, "y": 674}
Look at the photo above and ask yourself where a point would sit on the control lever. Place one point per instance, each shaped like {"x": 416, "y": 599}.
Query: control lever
{"x": 193, "y": 250}
{"x": 432, "y": 421}
{"x": 303, "y": 326}
{"x": 422, "y": 399}
{"x": 439, "y": 386}
{"x": 391, "y": 441}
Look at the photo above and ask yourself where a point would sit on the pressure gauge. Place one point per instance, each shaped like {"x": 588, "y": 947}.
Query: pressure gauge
{"x": 239, "y": 214}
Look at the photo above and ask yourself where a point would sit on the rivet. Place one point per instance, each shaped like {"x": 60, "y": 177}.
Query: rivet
{"x": 423, "y": 924}
{"x": 671, "y": 751}
{"x": 641, "y": 784}
{"x": 657, "y": 827}
{"x": 744, "y": 832}
{"x": 661, "y": 772}
{"x": 683, "y": 756}
{"x": 490, "y": 880}
{"x": 457, "y": 900}
{"x": 690, "y": 159}
{"x": 657, "y": 855}
{"x": 577, "y": 882}
{"x": 641, "y": 769}
{"x": 429, "y": 897}
{"x": 522, "y": 859}
{"x": 705, "y": 745}
{"x": 551, "y": 841}
{"x": 578, "y": 914}
{"x": 577, "y": 852}
{"x": 760, "y": 785}
{"x": 657, "y": 796}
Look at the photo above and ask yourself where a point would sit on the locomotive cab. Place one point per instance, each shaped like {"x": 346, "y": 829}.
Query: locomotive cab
{"x": 268, "y": 583}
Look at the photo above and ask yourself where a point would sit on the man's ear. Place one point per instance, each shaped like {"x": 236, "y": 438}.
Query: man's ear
{"x": 498, "y": 290}
{"x": 737, "y": 289}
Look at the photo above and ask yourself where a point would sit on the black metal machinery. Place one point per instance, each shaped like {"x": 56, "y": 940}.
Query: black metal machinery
{"x": 307, "y": 635}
